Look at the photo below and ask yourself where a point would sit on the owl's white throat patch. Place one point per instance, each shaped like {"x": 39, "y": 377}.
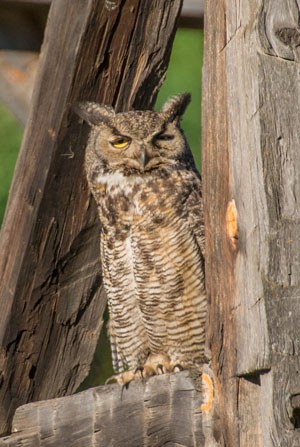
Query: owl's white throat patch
{"x": 119, "y": 179}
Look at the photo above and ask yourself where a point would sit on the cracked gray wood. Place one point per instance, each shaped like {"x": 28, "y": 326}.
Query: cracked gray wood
{"x": 51, "y": 296}
{"x": 251, "y": 153}
{"x": 164, "y": 411}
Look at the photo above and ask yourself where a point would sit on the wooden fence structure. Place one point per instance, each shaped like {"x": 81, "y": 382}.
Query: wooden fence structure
{"x": 22, "y": 24}
{"x": 116, "y": 52}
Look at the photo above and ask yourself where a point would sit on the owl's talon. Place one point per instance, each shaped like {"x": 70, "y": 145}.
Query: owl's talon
{"x": 125, "y": 386}
{"x": 160, "y": 369}
{"x": 123, "y": 378}
{"x": 148, "y": 371}
{"x": 139, "y": 373}
{"x": 177, "y": 368}
{"x": 158, "y": 363}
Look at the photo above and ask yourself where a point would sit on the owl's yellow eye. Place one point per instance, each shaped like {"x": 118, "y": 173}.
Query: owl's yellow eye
{"x": 120, "y": 143}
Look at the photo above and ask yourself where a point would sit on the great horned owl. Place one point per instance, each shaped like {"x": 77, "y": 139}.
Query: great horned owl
{"x": 142, "y": 174}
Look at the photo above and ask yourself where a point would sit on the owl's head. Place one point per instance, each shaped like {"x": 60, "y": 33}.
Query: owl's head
{"x": 138, "y": 140}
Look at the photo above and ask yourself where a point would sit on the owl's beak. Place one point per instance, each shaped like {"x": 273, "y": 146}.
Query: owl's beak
{"x": 144, "y": 157}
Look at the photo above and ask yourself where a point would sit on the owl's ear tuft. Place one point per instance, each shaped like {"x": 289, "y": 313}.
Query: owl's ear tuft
{"x": 175, "y": 107}
{"x": 93, "y": 113}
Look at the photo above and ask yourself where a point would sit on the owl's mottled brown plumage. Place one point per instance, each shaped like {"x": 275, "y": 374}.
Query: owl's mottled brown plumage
{"x": 142, "y": 174}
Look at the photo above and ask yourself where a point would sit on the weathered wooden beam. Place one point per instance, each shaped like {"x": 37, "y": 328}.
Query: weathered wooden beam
{"x": 165, "y": 410}
{"x": 219, "y": 257}
{"x": 251, "y": 117}
{"x": 51, "y": 296}
{"x": 27, "y": 2}
{"x": 190, "y": 7}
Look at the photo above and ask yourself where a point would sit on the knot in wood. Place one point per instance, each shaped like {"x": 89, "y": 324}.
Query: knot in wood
{"x": 295, "y": 401}
{"x": 295, "y": 416}
{"x": 289, "y": 36}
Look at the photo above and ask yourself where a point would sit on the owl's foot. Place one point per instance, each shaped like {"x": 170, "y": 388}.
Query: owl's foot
{"x": 177, "y": 367}
{"x": 126, "y": 377}
{"x": 122, "y": 379}
{"x": 155, "y": 364}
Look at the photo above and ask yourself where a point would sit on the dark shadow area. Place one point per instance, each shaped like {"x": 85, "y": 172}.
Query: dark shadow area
{"x": 22, "y": 25}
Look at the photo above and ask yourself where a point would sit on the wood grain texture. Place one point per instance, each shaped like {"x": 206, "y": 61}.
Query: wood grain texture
{"x": 257, "y": 158}
{"x": 219, "y": 262}
{"x": 51, "y": 295}
{"x": 164, "y": 411}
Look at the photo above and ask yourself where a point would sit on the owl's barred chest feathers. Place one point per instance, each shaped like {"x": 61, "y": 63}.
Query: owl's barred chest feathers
{"x": 128, "y": 201}
{"x": 153, "y": 269}
{"x": 142, "y": 175}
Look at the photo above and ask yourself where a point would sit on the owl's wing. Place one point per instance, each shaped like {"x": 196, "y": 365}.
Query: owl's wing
{"x": 194, "y": 207}
{"x": 117, "y": 362}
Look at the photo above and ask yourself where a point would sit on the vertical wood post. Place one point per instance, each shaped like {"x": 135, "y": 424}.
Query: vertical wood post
{"x": 251, "y": 165}
{"x": 51, "y": 297}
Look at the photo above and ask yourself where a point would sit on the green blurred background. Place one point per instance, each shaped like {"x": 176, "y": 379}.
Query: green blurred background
{"x": 183, "y": 75}
{"x": 10, "y": 139}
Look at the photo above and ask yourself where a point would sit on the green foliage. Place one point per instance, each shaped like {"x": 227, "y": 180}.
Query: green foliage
{"x": 101, "y": 368}
{"x": 10, "y": 137}
{"x": 184, "y": 75}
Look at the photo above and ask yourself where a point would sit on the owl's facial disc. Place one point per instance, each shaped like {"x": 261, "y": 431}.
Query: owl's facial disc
{"x": 150, "y": 142}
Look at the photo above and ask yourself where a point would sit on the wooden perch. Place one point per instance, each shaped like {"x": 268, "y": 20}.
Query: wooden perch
{"x": 251, "y": 165}
{"x": 51, "y": 296}
{"x": 164, "y": 411}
